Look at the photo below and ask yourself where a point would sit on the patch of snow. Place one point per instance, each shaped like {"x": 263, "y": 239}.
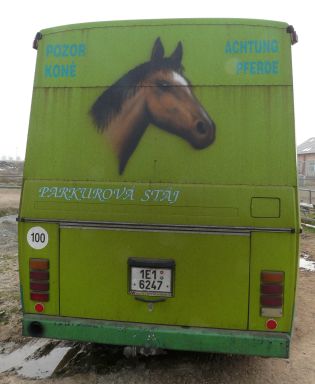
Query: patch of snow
{"x": 25, "y": 362}
{"x": 8, "y": 219}
{"x": 306, "y": 264}
{"x": 15, "y": 358}
{"x": 309, "y": 225}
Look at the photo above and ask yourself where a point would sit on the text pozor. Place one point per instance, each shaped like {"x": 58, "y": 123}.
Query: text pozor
{"x": 65, "y": 50}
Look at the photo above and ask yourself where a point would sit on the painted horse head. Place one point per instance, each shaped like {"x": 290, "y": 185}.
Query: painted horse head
{"x": 155, "y": 92}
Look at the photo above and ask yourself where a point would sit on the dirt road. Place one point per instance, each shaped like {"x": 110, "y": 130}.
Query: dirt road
{"x": 91, "y": 363}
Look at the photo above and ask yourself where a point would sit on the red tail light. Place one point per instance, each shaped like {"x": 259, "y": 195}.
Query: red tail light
{"x": 271, "y": 301}
{"x": 39, "y": 275}
{"x": 39, "y": 307}
{"x": 271, "y": 294}
{"x": 39, "y": 281}
{"x": 271, "y": 288}
{"x": 271, "y": 324}
{"x": 272, "y": 277}
{"x": 39, "y": 264}
{"x": 39, "y": 296}
{"x": 39, "y": 286}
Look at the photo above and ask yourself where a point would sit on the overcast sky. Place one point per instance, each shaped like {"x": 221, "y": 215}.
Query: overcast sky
{"x": 20, "y": 20}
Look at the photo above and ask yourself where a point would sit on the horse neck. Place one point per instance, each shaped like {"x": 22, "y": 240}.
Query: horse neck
{"x": 127, "y": 128}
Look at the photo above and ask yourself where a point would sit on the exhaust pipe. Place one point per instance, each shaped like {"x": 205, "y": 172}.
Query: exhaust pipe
{"x": 35, "y": 329}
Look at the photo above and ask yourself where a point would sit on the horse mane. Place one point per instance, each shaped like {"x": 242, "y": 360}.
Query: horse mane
{"x": 110, "y": 102}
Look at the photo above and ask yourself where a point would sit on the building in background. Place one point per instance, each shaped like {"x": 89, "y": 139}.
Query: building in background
{"x": 306, "y": 162}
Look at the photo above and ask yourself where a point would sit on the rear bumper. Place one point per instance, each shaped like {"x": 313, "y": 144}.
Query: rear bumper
{"x": 270, "y": 344}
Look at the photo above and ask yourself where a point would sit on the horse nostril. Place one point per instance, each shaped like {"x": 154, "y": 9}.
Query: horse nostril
{"x": 201, "y": 128}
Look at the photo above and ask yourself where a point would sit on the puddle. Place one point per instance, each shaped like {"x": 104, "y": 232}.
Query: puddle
{"x": 38, "y": 359}
{"x": 306, "y": 264}
{"x": 43, "y": 358}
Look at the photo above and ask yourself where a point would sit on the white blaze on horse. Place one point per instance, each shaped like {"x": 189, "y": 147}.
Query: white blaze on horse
{"x": 155, "y": 92}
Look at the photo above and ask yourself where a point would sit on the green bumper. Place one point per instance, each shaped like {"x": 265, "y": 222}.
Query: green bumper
{"x": 158, "y": 336}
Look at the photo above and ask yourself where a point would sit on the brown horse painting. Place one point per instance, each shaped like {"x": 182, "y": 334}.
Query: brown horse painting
{"x": 155, "y": 92}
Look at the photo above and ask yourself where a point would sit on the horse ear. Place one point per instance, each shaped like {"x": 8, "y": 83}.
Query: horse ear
{"x": 177, "y": 55}
{"x": 157, "y": 51}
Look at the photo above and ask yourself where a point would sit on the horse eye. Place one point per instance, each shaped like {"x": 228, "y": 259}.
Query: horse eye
{"x": 163, "y": 84}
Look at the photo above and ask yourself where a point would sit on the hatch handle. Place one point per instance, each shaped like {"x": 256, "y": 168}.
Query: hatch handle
{"x": 145, "y": 300}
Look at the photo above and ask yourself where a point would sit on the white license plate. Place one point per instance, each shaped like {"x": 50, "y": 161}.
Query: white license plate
{"x": 151, "y": 281}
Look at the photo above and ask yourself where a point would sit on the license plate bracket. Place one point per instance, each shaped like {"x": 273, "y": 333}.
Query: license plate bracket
{"x": 151, "y": 277}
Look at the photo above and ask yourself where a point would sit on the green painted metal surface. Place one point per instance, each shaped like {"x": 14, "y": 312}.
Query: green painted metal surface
{"x": 157, "y": 336}
{"x": 128, "y": 202}
{"x": 211, "y": 279}
{"x": 248, "y": 121}
{"x": 102, "y": 40}
{"x": 164, "y": 123}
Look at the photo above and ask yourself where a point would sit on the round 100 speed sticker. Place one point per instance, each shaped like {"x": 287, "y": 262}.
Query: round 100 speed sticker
{"x": 37, "y": 237}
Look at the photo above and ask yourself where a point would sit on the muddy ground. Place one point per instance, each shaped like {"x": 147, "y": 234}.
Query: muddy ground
{"x": 9, "y": 201}
{"x": 92, "y": 363}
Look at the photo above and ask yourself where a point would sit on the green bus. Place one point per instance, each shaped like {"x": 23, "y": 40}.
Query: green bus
{"x": 159, "y": 203}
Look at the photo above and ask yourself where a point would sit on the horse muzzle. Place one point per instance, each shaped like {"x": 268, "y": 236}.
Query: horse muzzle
{"x": 203, "y": 134}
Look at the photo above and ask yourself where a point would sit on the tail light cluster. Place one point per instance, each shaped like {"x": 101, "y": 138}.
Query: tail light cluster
{"x": 271, "y": 293}
{"x": 39, "y": 279}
